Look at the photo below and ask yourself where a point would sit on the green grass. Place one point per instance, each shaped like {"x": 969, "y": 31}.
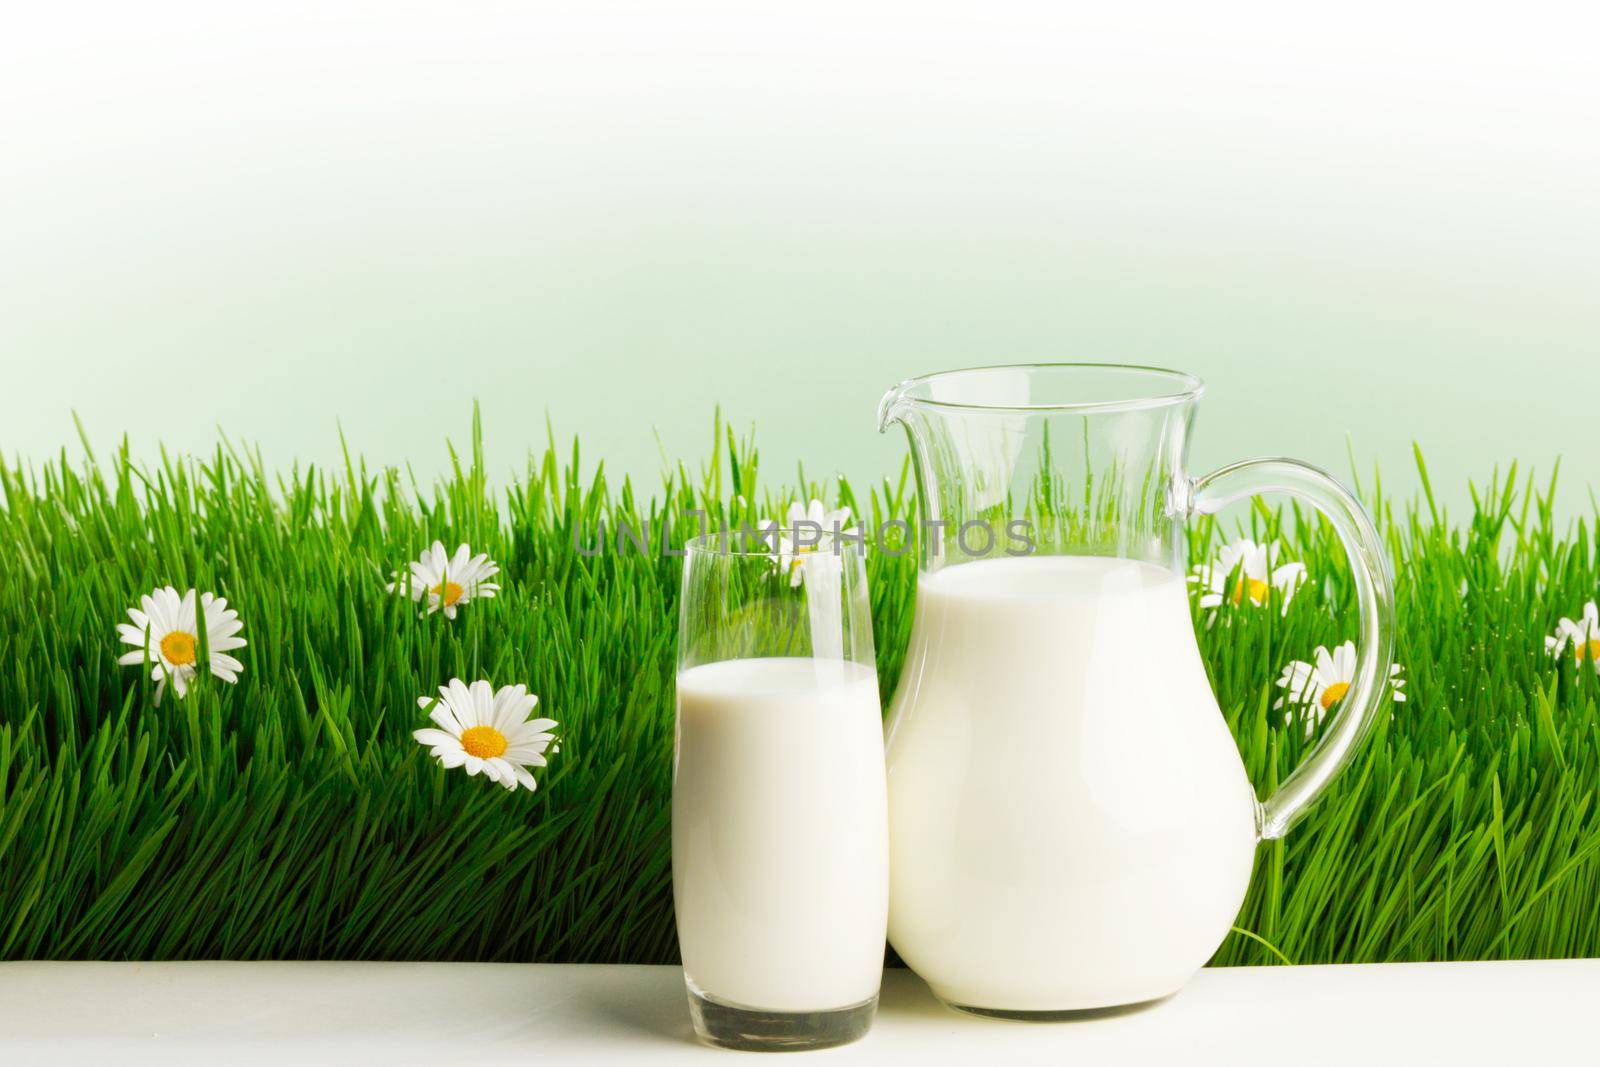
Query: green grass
{"x": 292, "y": 815}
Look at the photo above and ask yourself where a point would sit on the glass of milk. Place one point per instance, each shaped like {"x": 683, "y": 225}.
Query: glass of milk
{"x": 780, "y": 850}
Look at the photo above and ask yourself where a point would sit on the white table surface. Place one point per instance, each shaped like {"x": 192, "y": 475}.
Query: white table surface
{"x": 1541, "y": 1013}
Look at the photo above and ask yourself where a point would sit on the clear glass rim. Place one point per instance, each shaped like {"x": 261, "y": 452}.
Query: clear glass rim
{"x": 1180, "y": 387}
{"x": 713, "y": 545}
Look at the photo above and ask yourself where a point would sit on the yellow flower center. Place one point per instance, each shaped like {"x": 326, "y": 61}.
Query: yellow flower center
{"x": 178, "y": 648}
{"x": 449, "y": 592}
{"x": 1587, "y": 650}
{"x": 1331, "y": 695}
{"x": 797, "y": 556}
{"x": 485, "y": 742}
{"x": 1254, "y": 588}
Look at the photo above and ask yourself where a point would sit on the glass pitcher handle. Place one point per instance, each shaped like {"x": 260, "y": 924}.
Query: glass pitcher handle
{"x": 1358, "y": 711}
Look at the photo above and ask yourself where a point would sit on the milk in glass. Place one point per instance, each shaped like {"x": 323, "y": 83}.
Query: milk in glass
{"x": 780, "y": 833}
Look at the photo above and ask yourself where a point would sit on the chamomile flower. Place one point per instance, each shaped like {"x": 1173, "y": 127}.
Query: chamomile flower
{"x": 1583, "y": 637}
{"x": 486, "y": 729}
{"x": 789, "y": 552}
{"x": 448, "y": 582}
{"x": 1320, "y": 685}
{"x": 165, "y": 634}
{"x": 1253, "y": 571}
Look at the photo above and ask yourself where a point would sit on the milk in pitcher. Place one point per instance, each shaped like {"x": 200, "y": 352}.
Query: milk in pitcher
{"x": 1072, "y": 826}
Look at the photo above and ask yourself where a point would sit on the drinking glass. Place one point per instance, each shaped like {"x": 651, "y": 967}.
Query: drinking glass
{"x": 780, "y": 851}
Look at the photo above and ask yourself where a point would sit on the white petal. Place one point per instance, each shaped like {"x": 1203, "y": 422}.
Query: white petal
{"x": 1304, "y": 687}
{"x": 483, "y": 702}
{"x": 445, "y": 718}
{"x": 505, "y": 703}
{"x": 432, "y": 737}
{"x": 534, "y": 743}
{"x": 1326, "y": 666}
{"x": 218, "y": 620}
{"x": 1296, "y": 674}
{"x": 460, "y": 698}
{"x": 186, "y": 612}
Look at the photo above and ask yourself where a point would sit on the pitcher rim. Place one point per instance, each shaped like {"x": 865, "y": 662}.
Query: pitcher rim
{"x": 1189, "y": 387}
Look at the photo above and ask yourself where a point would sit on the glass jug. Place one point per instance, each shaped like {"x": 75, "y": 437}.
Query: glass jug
{"x": 1071, "y": 826}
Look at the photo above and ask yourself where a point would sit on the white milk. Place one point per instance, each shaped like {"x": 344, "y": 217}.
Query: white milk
{"x": 1072, "y": 824}
{"x": 780, "y": 833}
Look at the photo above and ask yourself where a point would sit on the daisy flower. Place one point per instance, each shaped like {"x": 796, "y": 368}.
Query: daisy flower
{"x": 1258, "y": 573}
{"x": 165, "y": 634}
{"x": 787, "y": 552}
{"x": 1320, "y": 685}
{"x": 448, "y": 582}
{"x": 1583, "y": 636}
{"x": 486, "y": 729}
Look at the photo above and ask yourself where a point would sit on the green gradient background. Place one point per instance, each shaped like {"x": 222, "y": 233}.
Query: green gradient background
{"x": 270, "y": 222}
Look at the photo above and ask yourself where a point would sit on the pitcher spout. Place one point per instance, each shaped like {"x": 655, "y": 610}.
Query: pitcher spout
{"x": 892, "y": 407}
